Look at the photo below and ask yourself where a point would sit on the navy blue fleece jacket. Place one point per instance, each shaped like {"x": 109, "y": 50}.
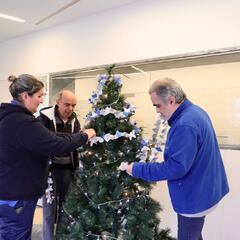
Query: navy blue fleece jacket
{"x": 25, "y": 145}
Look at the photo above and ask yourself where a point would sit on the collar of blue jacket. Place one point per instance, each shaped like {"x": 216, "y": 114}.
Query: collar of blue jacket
{"x": 178, "y": 111}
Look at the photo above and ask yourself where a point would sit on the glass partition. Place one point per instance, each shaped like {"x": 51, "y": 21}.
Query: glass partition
{"x": 210, "y": 79}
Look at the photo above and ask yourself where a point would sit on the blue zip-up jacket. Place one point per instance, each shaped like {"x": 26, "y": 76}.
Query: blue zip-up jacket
{"x": 192, "y": 162}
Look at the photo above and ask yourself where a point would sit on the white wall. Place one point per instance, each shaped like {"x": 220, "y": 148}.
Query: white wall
{"x": 4, "y": 92}
{"x": 143, "y": 29}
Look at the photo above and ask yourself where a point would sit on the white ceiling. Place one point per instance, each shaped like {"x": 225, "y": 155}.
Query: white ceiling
{"x": 34, "y": 11}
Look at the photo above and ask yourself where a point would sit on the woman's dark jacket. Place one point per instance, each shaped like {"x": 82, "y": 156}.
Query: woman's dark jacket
{"x": 25, "y": 146}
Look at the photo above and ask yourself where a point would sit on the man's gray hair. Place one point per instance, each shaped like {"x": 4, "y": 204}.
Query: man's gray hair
{"x": 167, "y": 87}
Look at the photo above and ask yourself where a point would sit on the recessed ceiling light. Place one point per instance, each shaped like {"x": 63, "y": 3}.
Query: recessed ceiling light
{"x": 11, "y": 18}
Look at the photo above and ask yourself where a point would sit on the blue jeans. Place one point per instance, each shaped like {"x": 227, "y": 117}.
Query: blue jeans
{"x": 190, "y": 228}
{"x": 16, "y": 222}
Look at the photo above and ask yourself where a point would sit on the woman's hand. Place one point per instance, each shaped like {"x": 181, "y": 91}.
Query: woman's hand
{"x": 90, "y": 132}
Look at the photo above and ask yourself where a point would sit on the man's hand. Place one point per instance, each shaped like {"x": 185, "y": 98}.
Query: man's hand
{"x": 90, "y": 132}
{"x": 126, "y": 167}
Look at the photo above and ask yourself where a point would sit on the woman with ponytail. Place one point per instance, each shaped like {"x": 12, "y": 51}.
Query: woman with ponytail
{"x": 25, "y": 146}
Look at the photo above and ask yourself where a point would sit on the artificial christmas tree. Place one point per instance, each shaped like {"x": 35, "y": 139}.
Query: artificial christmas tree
{"x": 104, "y": 202}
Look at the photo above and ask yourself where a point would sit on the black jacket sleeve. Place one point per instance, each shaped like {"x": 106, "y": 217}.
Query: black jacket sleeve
{"x": 34, "y": 137}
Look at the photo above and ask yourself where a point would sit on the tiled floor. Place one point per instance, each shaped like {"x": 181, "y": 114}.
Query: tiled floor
{"x": 37, "y": 232}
